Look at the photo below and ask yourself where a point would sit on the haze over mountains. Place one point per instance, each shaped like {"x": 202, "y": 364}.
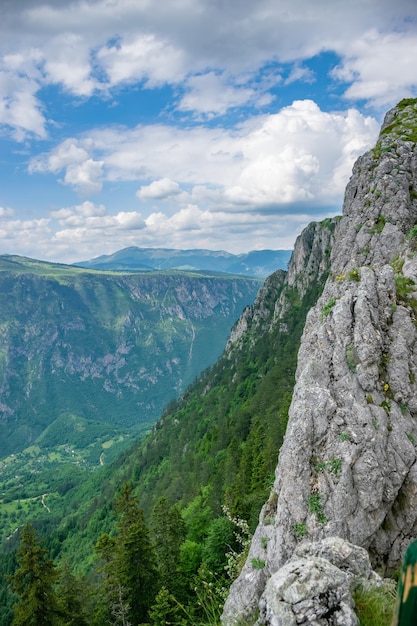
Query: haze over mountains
{"x": 260, "y": 263}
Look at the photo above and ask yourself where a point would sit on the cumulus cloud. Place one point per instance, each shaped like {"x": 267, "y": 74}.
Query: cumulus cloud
{"x": 380, "y": 68}
{"x": 159, "y": 190}
{"x": 19, "y": 106}
{"x": 92, "y": 47}
{"x": 217, "y": 176}
{"x": 6, "y": 212}
{"x": 144, "y": 57}
{"x": 72, "y": 158}
{"x": 211, "y": 94}
{"x": 299, "y": 154}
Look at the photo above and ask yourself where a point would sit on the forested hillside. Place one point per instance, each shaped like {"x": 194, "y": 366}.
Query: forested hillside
{"x": 202, "y": 474}
{"x": 104, "y": 351}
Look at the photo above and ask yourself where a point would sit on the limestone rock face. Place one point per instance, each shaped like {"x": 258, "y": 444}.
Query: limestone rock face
{"x": 309, "y": 264}
{"x": 347, "y": 467}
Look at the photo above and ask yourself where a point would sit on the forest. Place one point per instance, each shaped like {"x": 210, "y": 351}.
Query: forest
{"x": 158, "y": 536}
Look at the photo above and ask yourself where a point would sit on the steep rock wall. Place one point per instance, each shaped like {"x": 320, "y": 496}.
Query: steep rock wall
{"x": 347, "y": 467}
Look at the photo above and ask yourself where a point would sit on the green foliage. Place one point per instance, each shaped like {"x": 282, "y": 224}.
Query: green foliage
{"x": 345, "y": 437}
{"x": 73, "y": 595}
{"x": 98, "y": 350}
{"x": 397, "y": 264}
{"x": 374, "y": 606}
{"x": 413, "y": 196}
{"x": 404, "y": 286}
{"x": 334, "y": 466}
{"x": 315, "y": 506}
{"x": 386, "y": 405}
{"x": 257, "y": 563}
{"x": 300, "y": 530}
{"x": 220, "y": 539}
{"x": 168, "y": 533}
{"x": 354, "y": 275}
{"x": 166, "y": 610}
{"x": 328, "y": 307}
{"x": 33, "y": 583}
{"x": 128, "y": 563}
{"x": 352, "y": 357}
{"x": 404, "y": 125}
{"x": 217, "y": 444}
{"x": 379, "y": 225}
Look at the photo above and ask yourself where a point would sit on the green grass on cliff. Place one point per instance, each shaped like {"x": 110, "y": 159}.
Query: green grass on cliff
{"x": 404, "y": 125}
{"x": 374, "y": 606}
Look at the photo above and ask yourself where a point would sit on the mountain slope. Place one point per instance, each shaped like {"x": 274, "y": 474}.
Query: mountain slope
{"x": 260, "y": 263}
{"x": 111, "y": 349}
{"x": 217, "y": 444}
{"x": 347, "y": 467}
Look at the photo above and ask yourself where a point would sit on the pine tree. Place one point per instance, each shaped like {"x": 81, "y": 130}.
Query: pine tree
{"x": 168, "y": 534}
{"x": 135, "y": 558}
{"x": 72, "y": 597}
{"x": 33, "y": 583}
{"x": 128, "y": 567}
{"x": 167, "y": 611}
{"x": 105, "y": 549}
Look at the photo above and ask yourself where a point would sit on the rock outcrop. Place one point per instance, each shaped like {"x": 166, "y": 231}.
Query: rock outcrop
{"x": 314, "y": 587}
{"x": 347, "y": 467}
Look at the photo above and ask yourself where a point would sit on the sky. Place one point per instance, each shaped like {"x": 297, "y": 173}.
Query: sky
{"x": 217, "y": 124}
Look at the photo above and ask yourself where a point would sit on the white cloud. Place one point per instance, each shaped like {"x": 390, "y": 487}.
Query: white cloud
{"x": 67, "y": 62}
{"x": 144, "y": 57}
{"x": 5, "y": 213}
{"x": 380, "y": 68}
{"x": 211, "y": 94}
{"x": 19, "y": 107}
{"x": 73, "y": 158}
{"x": 159, "y": 190}
{"x": 91, "y": 47}
{"x": 296, "y": 155}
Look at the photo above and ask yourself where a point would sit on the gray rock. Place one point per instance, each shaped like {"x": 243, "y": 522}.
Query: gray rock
{"x": 307, "y": 591}
{"x": 347, "y": 466}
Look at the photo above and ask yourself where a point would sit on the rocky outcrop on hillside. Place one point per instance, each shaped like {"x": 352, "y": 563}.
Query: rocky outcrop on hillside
{"x": 347, "y": 467}
{"x": 309, "y": 265}
{"x": 314, "y": 586}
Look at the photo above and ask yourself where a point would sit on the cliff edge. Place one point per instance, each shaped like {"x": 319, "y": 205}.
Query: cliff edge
{"x": 347, "y": 467}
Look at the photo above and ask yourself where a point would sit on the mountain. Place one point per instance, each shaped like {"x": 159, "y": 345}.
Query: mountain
{"x": 260, "y": 263}
{"x": 302, "y": 433}
{"x": 103, "y": 350}
{"x": 216, "y": 443}
{"x": 347, "y": 467}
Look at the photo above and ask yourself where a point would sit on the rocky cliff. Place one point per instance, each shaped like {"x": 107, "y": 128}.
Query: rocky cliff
{"x": 347, "y": 467}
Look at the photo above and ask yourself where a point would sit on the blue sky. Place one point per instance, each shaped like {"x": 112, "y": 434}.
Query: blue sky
{"x": 219, "y": 124}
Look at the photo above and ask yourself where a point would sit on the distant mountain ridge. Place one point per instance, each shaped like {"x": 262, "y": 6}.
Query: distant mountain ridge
{"x": 257, "y": 263}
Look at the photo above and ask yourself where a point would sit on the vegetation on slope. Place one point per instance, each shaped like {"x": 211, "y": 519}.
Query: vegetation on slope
{"x": 215, "y": 447}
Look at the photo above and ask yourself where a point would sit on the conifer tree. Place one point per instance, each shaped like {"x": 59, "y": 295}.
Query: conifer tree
{"x": 168, "y": 533}
{"x": 72, "y": 597}
{"x": 33, "y": 583}
{"x": 135, "y": 558}
{"x": 128, "y": 566}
